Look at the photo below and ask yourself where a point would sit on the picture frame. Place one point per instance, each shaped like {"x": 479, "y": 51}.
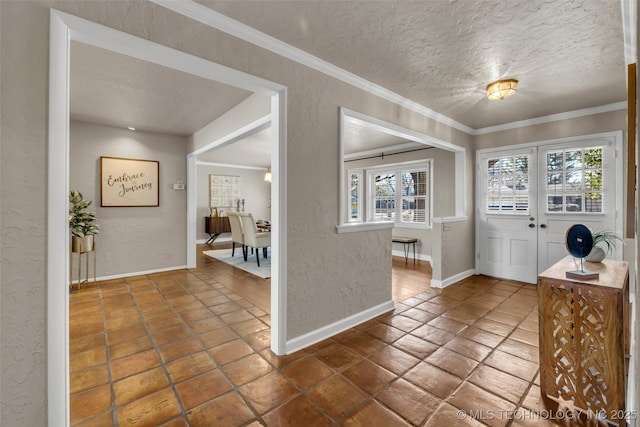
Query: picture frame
{"x": 225, "y": 190}
{"x": 128, "y": 182}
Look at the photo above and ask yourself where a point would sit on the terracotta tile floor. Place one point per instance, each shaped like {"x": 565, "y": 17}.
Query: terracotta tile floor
{"x": 179, "y": 349}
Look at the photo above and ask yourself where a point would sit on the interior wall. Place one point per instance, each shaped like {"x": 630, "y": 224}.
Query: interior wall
{"x": 132, "y": 239}
{"x": 585, "y": 125}
{"x": 457, "y": 251}
{"x": 256, "y": 193}
{"x": 443, "y": 167}
{"x": 24, "y": 206}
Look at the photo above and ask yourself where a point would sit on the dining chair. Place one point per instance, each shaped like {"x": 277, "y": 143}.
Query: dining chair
{"x": 237, "y": 234}
{"x": 253, "y": 238}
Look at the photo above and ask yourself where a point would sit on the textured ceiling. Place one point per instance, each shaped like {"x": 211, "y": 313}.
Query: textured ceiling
{"x": 567, "y": 54}
{"x": 117, "y": 90}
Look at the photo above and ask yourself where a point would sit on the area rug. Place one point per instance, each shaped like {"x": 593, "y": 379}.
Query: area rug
{"x": 238, "y": 261}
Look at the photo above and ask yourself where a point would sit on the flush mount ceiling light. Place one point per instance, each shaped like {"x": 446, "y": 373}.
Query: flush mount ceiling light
{"x": 502, "y": 89}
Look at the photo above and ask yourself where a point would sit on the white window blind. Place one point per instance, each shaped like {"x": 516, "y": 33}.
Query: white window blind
{"x": 401, "y": 194}
{"x": 574, "y": 180}
{"x": 508, "y": 184}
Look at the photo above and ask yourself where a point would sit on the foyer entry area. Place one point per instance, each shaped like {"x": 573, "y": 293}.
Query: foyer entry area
{"x": 182, "y": 349}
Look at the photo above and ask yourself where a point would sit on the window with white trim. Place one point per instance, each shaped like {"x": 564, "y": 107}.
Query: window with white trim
{"x": 355, "y": 196}
{"x": 574, "y": 180}
{"x": 401, "y": 194}
{"x": 508, "y": 184}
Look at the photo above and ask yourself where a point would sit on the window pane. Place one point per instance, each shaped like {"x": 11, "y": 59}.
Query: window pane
{"x": 414, "y": 192}
{"x": 593, "y": 158}
{"x": 554, "y": 203}
{"x": 574, "y": 180}
{"x": 385, "y": 196}
{"x": 593, "y": 180}
{"x": 355, "y": 208}
{"x": 593, "y": 202}
{"x": 554, "y": 161}
{"x": 401, "y": 196}
{"x": 508, "y": 184}
{"x": 573, "y": 160}
{"x": 573, "y": 204}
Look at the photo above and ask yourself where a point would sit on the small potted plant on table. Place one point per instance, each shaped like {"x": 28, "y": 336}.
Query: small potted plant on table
{"x": 607, "y": 239}
{"x": 81, "y": 223}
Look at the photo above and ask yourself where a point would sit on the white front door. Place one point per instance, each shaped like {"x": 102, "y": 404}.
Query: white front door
{"x": 508, "y": 227}
{"x": 529, "y": 197}
{"x": 578, "y": 183}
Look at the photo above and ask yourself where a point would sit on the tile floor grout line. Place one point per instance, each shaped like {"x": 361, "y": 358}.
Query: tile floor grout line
{"x": 163, "y": 363}
{"x": 191, "y": 287}
{"x": 234, "y": 388}
{"x": 480, "y": 363}
{"x": 509, "y": 422}
{"x": 114, "y": 411}
{"x": 153, "y": 345}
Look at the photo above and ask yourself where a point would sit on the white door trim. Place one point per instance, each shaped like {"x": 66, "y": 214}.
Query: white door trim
{"x": 64, "y": 28}
{"x": 615, "y": 138}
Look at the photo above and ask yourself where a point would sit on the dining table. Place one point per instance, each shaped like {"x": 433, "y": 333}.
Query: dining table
{"x": 263, "y": 226}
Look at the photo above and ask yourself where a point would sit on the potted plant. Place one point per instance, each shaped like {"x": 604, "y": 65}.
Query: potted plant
{"x": 606, "y": 239}
{"x": 81, "y": 223}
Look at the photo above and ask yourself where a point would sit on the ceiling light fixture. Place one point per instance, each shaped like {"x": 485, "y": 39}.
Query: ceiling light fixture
{"x": 267, "y": 176}
{"x": 131, "y": 128}
{"x": 502, "y": 89}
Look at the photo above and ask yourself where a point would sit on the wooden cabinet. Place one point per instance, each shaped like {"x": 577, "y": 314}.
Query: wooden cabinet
{"x": 584, "y": 336}
{"x": 215, "y": 225}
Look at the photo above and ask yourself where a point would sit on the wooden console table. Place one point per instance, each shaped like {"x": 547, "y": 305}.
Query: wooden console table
{"x": 584, "y": 336}
{"x": 215, "y": 225}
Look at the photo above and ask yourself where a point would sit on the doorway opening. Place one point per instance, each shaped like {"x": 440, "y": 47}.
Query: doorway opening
{"x": 64, "y": 29}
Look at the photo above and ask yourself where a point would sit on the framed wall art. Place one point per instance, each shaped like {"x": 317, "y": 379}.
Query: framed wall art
{"x": 225, "y": 190}
{"x": 129, "y": 182}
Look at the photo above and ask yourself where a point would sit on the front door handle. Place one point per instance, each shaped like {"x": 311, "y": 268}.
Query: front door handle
{"x": 532, "y": 226}
{"x": 543, "y": 225}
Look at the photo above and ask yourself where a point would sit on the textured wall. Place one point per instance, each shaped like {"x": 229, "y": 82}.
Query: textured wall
{"x": 24, "y": 50}
{"x": 132, "y": 239}
{"x": 605, "y": 122}
{"x": 255, "y": 191}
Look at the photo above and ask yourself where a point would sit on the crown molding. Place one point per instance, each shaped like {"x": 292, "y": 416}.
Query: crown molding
{"x": 553, "y": 118}
{"x": 223, "y": 23}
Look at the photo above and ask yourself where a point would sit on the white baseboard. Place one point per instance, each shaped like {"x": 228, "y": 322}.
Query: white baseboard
{"x": 453, "y": 279}
{"x": 328, "y": 331}
{"x": 421, "y": 257}
{"x": 138, "y": 273}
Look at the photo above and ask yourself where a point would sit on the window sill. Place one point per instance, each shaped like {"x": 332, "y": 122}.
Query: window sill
{"x": 446, "y": 219}
{"x": 364, "y": 226}
{"x": 412, "y": 226}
